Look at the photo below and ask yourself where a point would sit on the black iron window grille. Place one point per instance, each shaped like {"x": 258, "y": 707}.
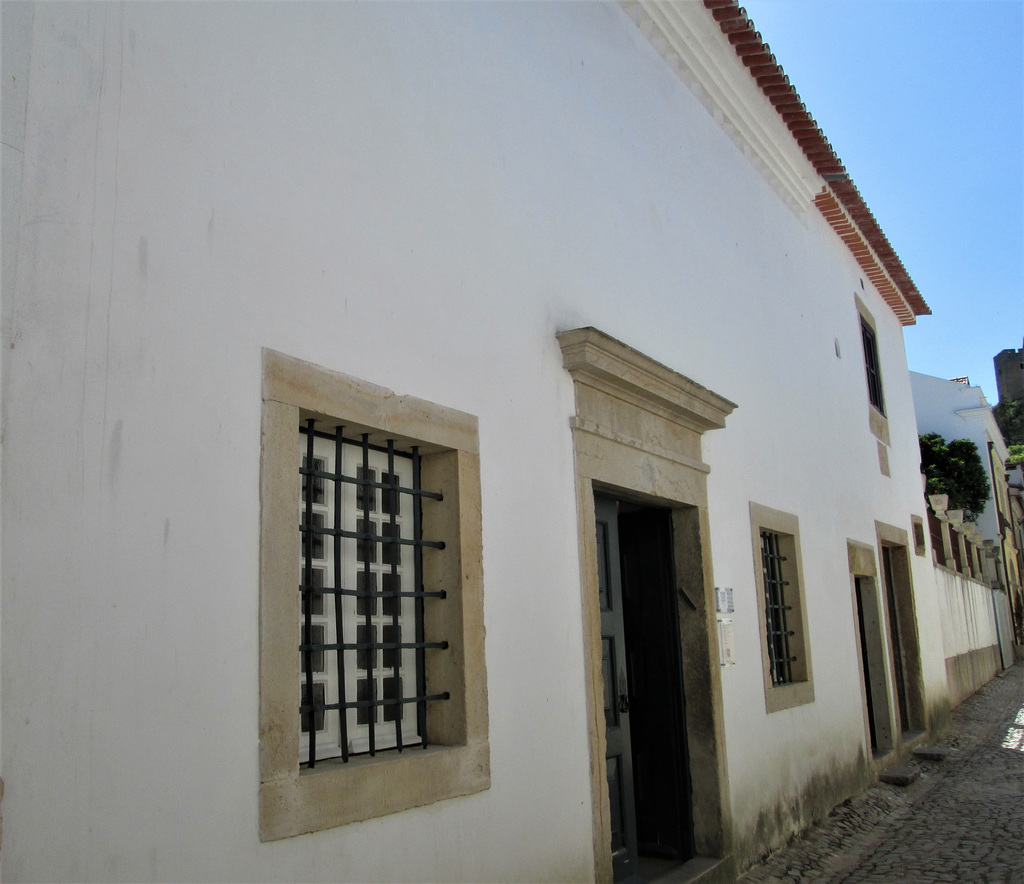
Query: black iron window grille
{"x": 362, "y": 642}
{"x": 780, "y": 659}
{"x": 871, "y": 364}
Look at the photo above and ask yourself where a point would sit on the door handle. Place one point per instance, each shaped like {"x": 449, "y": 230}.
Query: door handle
{"x": 623, "y": 702}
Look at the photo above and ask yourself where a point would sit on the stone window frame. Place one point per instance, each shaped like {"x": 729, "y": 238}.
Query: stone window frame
{"x": 918, "y": 529}
{"x": 295, "y": 801}
{"x": 877, "y": 421}
{"x": 800, "y": 691}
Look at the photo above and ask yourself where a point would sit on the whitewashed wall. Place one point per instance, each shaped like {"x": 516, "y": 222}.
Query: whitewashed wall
{"x": 421, "y": 196}
{"x": 968, "y": 618}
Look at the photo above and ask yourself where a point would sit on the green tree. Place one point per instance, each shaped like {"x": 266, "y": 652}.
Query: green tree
{"x": 1016, "y": 453}
{"x": 1010, "y": 417}
{"x": 955, "y": 468}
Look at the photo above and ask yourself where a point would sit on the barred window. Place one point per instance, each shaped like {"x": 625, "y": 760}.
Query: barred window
{"x": 776, "y": 611}
{"x": 373, "y": 681}
{"x": 362, "y": 638}
{"x": 785, "y": 647}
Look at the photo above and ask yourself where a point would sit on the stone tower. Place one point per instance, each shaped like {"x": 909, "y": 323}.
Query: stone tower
{"x": 1010, "y": 374}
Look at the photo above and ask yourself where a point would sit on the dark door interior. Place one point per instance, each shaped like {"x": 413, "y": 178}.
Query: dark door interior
{"x": 894, "y": 636}
{"x": 648, "y": 767}
{"x": 660, "y": 764}
{"x": 865, "y": 664}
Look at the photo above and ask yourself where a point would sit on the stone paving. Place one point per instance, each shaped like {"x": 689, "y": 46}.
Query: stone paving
{"x": 961, "y": 820}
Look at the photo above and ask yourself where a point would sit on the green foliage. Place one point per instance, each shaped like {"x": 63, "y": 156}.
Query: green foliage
{"x": 1016, "y": 454}
{"x": 955, "y": 468}
{"x": 1010, "y": 417}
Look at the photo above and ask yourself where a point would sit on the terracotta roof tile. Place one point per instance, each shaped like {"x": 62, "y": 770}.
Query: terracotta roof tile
{"x": 840, "y": 199}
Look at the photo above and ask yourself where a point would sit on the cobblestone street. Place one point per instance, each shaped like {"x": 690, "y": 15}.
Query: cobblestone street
{"x": 961, "y": 820}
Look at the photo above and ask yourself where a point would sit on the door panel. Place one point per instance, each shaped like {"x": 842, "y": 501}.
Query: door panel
{"x": 625, "y": 858}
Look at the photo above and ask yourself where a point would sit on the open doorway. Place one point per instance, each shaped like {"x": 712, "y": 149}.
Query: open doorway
{"x": 649, "y": 788}
{"x": 904, "y": 646}
{"x": 872, "y": 658}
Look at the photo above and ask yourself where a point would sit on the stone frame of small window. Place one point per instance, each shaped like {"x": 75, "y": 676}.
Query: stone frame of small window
{"x": 877, "y": 421}
{"x": 800, "y": 690}
{"x": 294, "y": 801}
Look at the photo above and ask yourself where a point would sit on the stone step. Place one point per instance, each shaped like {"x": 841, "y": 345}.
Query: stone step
{"x": 899, "y": 776}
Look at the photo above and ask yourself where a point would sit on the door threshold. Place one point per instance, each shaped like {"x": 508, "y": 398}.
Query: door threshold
{"x": 700, "y": 868}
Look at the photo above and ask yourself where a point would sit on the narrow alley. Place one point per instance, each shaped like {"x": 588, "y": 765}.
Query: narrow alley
{"x": 961, "y": 820}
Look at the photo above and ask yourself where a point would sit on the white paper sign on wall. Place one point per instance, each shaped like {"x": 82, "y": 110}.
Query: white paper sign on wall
{"x": 723, "y": 600}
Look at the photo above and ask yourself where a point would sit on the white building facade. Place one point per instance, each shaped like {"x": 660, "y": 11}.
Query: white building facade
{"x": 608, "y": 341}
{"x": 960, "y": 411}
{"x": 985, "y": 549}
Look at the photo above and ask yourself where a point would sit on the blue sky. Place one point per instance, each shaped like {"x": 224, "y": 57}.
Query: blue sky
{"x": 922, "y": 100}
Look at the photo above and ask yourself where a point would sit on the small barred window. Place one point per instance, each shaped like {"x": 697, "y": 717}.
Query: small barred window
{"x": 776, "y": 610}
{"x": 361, "y": 631}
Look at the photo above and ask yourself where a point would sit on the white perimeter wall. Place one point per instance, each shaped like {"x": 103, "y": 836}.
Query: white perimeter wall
{"x": 421, "y": 196}
{"x": 968, "y": 618}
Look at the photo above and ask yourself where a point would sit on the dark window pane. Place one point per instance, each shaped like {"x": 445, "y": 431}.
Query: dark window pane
{"x": 872, "y": 366}
{"x": 390, "y": 500}
{"x": 318, "y": 698}
{"x": 366, "y": 550}
{"x": 316, "y": 599}
{"x": 366, "y": 583}
{"x": 392, "y": 691}
{"x": 392, "y": 583}
{"x": 392, "y": 635}
{"x": 391, "y": 552}
{"x": 364, "y": 692}
{"x": 366, "y": 495}
{"x": 366, "y": 658}
{"x": 775, "y": 608}
{"x": 316, "y": 638}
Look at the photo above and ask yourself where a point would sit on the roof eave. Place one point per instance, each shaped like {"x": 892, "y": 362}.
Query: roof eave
{"x": 770, "y": 78}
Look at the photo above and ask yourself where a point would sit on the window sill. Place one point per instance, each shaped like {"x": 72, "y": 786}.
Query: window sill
{"x": 787, "y": 696}
{"x": 879, "y": 424}
{"x": 335, "y": 794}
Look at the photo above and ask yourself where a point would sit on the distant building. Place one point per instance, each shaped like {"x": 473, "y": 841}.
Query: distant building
{"x": 955, "y": 411}
{"x": 1010, "y": 374}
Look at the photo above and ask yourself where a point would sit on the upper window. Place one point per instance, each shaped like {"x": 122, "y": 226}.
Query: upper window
{"x": 373, "y": 693}
{"x": 874, "y": 372}
{"x": 779, "y": 579}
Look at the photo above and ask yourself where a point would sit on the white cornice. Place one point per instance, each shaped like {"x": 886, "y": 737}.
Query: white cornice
{"x": 687, "y": 37}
